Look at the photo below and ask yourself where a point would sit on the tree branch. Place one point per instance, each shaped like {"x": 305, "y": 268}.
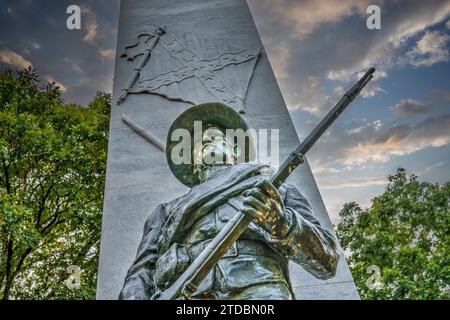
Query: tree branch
{"x": 9, "y": 255}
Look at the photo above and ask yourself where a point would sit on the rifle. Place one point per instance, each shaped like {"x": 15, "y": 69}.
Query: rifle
{"x": 188, "y": 282}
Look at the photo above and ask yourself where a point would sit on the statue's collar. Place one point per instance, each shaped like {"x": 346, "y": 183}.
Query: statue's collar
{"x": 216, "y": 171}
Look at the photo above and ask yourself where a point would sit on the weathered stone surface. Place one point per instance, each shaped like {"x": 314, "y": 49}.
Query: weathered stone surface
{"x": 138, "y": 178}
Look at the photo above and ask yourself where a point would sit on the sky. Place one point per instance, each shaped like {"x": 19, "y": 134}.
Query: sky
{"x": 318, "y": 49}
{"x": 80, "y": 62}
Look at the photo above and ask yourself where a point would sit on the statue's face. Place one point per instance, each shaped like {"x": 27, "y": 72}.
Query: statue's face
{"x": 216, "y": 150}
{"x": 215, "y": 145}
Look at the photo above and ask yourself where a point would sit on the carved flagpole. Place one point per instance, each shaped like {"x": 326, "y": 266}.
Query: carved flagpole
{"x": 137, "y": 70}
{"x": 144, "y": 133}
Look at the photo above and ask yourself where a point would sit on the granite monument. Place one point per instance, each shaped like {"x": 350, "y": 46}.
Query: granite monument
{"x": 173, "y": 55}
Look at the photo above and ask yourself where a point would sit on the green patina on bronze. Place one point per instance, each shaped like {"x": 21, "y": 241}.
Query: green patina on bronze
{"x": 210, "y": 114}
{"x": 255, "y": 266}
{"x": 232, "y": 235}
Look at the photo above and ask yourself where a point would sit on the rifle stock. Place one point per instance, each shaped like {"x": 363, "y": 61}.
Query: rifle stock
{"x": 189, "y": 281}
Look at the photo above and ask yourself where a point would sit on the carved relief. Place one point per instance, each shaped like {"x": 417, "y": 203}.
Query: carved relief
{"x": 191, "y": 66}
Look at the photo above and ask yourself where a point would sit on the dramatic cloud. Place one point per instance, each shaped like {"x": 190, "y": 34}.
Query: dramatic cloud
{"x": 430, "y": 49}
{"x": 280, "y": 64}
{"x": 91, "y": 25}
{"x": 411, "y": 107}
{"x": 14, "y": 59}
{"x": 329, "y": 41}
{"x": 50, "y": 79}
{"x": 377, "y": 143}
{"x": 80, "y": 61}
{"x": 107, "y": 54}
{"x": 325, "y": 47}
{"x": 307, "y": 16}
{"x": 386, "y": 50}
{"x": 310, "y": 96}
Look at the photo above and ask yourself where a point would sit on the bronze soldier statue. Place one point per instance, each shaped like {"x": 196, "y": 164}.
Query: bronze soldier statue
{"x": 283, "y": 227}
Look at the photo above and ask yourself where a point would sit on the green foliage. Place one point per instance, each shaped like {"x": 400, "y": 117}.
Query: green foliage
{"x": 406, "y": 233}
{"x": 52, "y": 172}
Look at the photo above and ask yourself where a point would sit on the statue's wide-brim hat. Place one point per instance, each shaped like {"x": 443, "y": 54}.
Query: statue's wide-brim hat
{"x": 210, "y": 114}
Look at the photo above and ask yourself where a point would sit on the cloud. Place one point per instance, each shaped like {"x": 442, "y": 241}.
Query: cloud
{"x": 107, "y": 54}
{"x": 102, "y": 83}
{"x": 430, "y": 168}
{"x": 325, "y": 171}
{"x": 440, "y": 95}
{"x": 325, "y": 46}
{"x": 74, "y": 66}
{"x": 61, "y": 86}
{"x": 400, "y": 140}
{"x": 307, "y": 16}
{"x": 372, "y": 89}
{"x": 14, "y": 59}
{"x": 328, "y": 41}
{"x": 280, "y": 65}
{"x": 34, "y": 45}
{"x": 310, "y": 96}
{"x": 362, "y": 185}
{"x": 91, "y": 25}
{"x": 418, "y": 21}
{"x": 376, "y": 143}
{"x": 64, "y": 55}
{"x": 411, "y": 107}
{"x": 334, "y": 183}
{"x": 430, "y": 49}
{"x": 352, "y": 183}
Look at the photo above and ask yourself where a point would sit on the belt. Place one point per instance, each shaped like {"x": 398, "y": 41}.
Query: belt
{"x": 240, "y": 247}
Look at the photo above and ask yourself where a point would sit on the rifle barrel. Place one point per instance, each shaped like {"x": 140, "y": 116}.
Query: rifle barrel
{"x": 296, "y": 157}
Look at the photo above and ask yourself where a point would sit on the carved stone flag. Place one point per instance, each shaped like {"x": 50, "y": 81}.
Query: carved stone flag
{"x": 171, "y": 55}
{"x": 182, "y": 65}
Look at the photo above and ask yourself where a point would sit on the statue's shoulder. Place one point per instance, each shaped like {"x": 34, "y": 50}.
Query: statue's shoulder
{"x": 249, "y": 168}
{"x": 157, "y": 217}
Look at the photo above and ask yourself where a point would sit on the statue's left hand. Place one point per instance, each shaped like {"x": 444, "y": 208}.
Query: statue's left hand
{"x": 264, "y": 205}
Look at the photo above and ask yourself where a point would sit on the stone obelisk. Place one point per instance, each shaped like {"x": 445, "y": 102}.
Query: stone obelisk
{"x": 172, "y": 54}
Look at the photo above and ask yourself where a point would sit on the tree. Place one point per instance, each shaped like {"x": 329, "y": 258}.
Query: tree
{"x": 52, "y": 172}
{"x": 406, "y": 234}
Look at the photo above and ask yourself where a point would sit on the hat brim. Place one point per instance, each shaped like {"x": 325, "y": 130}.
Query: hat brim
{"x": 216, "y": 114}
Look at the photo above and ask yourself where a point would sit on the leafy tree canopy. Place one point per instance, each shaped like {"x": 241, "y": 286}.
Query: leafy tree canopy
{"x": 52, "y": 172}
{"x": 406, "y": 234}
